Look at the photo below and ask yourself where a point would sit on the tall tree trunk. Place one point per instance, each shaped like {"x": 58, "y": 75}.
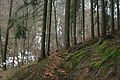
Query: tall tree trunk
{"x": 55, "y": 16}
{"x": 49, "y": 27}
{"x": 92, "y": 20}
{"x": 23, "y": 40}
{"x": 71, "y": 27}
{"x": 7, "y": 36}
{"x": 14, "y": 53}
{"x": 28, "y": 35}
{"x": 44, "y": 30}
{"x": 74, "y": 27}
{"x": 98, "y": 27}
{"x": 24, "y": 50}
{"x": 83, "y": 19}
{"x": 112, "y": 15}
{"x": 118, "y": 17}
{"x": 16, "y": 45}
{"x": 1, "y": 46}
{"x": 103, "y": 26}
{"x": 67, "y": 21}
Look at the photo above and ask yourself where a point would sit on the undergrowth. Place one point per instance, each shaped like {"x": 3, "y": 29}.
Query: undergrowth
{"x": 99, "y": 57}
{"x": 106, "y": 52}
{"x": 75, "y": 58}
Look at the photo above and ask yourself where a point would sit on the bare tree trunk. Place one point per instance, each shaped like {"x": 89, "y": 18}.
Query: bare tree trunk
{"x": 49, "y": 27}
{"x": 28, "y": 34}
{"x": 74, "y": 28}
{"x": 118, "y": 17}
{"x": 98, "y": 27}
{"x": 103, "y": 26}
{"x": 55, "y": 16}
{"x": 67, "y": 21}
{"x": 23, "y": 54}
{"x": 14, "y": 53}
{"x": 44, "y": 30}
{"x": 92, "y": 20}
{"x": 16, "y": 50}
{"x": 83, "y": 19}
{"x": 1, "y": 46}
{"x": 112, "y": 16}
{"x": 7, "y": 36}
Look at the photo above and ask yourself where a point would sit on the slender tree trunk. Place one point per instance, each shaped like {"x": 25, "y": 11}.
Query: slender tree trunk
{"x": 118, "y": 17}
{"x": 23, "y": 55}
{"x": 98, "y": 27}
{"x": 44, "y": 30}
{"x": 112, "y": 16}
{"x": 14, "y": 55}
{"x": 16, "y": 45}
{"x": 49, "y": 27}
{"x": 55, "y": 16}
{"x": 92, "y": 21}
{"x": 7, "y": 36}
{"x": 103, "y": 26}
{"x": 71, "y": 28}
{"x": 28, "y": 35}
{"x": 81, "y": 38}
{"x": 17, "y": 53}
{"x": 74, "y": 28}
{"x": 1, "y": 46}
{"x": 83, "y": 19}
{"x": 67, "y": 21}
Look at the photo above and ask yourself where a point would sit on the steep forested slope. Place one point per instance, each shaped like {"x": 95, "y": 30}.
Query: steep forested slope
{"x": 93, "y": 60}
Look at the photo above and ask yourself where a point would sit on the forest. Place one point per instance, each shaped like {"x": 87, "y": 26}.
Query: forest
{"x": 59, "y": 40}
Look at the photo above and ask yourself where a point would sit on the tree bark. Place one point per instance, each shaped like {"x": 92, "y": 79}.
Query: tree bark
{"x": 112, "y": 16}
{"x": 83, "y": 19}
{"x": 98, "y": 27}
{"x": 56, "y": 34}
{"x": 49, "y": 27}
{"x": 103, "y": 26}
{"x": 92, "y": 20}
{"x": 67, "y": 21}
{"x": 74, "y": 27}
{"x": 44, "y": 30}
{"x": 1, "y": 45}
{"x": 7, "y": 36}
{"x": 118, "y": 17}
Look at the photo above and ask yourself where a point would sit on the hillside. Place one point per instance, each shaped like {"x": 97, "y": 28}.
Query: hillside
{"x": 96, "y": 61}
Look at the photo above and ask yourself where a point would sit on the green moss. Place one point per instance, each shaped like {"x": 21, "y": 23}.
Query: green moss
{"x": 74, "y": 59}
{"x": 78, "y": 57}
{"x": 101, "y": 47}
{"x": 105, "y": 53}
{"x": 71, "y": 54}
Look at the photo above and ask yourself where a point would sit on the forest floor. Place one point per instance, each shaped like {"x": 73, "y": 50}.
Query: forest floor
{"x": 92, "y": 60}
